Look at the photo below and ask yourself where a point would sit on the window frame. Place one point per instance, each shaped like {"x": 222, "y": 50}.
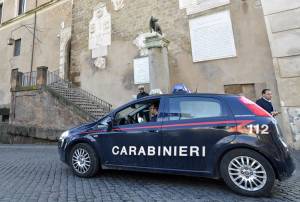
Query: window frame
{"x": 18, "y": 7}
{"x": 15, "y": 48}
{"x": 225, "y": 110}
{"x": 1, "y": 14}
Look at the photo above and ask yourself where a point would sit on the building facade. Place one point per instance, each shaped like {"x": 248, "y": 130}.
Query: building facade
{"x": 215, "y": 46}
{"x": 247, "y": 71}
{"x": 32, "y": 33}
{"x": 218, "y": 46}
{"x": 283, "y": 25}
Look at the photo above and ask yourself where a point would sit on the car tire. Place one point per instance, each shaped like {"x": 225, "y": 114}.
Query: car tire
{"x": 83, "y": 160}
{"x": 247, "y": 172}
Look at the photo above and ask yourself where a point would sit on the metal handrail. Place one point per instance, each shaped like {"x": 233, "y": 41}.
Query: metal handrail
{"x": 53, "y": 77}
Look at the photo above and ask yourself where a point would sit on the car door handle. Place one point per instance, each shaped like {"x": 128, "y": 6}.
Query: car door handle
{"x": 221, "y": 127}
{"x": 153, "y": 131}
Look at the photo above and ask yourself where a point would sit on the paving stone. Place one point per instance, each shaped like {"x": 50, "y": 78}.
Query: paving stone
{"x": 35, "y": 173}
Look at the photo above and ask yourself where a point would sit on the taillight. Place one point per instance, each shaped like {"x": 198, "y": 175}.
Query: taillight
{"x": 254, "y": 108}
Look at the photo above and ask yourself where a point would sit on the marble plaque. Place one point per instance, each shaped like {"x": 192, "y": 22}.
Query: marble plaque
{"x": 212, "y": 37}
{"x": 141, "y": 70}
{"x": 100, "y": 35}
{"x": 202, "y": 5}
{"x": 186, "y": 3}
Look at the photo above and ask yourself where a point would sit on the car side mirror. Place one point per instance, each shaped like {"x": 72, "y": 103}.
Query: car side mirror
{"x": 109, "y": 124}
{"x": 102, "y": 127}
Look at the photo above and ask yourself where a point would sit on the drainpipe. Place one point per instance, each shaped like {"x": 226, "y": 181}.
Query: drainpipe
{"x": 33, "y": 40}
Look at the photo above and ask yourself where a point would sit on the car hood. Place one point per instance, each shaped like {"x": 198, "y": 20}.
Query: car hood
{"x": 83, "y": 127}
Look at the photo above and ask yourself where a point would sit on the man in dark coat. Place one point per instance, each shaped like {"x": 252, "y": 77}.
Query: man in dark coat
{"x": 265, "y": 102}
{"x": 142, "y": 92}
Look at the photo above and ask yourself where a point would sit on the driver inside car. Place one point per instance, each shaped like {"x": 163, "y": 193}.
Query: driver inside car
{"x": 153, "y": 112}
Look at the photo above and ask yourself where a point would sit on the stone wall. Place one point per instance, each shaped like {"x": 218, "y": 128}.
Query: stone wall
{"x": 115, "y": 84}
{"x": 43, "y": 109}
{"x": 13, "y": 134}
{"x": 283, "y": 23}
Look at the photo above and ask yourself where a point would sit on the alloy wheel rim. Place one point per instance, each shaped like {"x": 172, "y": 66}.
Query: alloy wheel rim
{"x": 247, "y": 173}
{"x": 81, "y": 160}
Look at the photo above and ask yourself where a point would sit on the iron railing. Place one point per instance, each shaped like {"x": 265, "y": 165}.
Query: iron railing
{"x": 28, "y": 79}
{"x": 53, "y": 77}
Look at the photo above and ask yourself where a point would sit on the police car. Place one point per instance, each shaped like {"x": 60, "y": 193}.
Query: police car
{"x": 208, "y": 135}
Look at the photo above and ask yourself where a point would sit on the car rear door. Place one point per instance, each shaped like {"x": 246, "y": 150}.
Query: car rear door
{"x": 192, "y": 127}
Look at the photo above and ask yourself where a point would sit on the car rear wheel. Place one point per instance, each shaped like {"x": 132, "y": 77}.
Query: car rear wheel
{"x": 83, "y": 160}
{"x": 247, "y": 172}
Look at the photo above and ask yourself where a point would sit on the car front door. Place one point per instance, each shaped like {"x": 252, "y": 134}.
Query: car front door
{"x": 193, "y": 125}
{"x": 133, "y": 141}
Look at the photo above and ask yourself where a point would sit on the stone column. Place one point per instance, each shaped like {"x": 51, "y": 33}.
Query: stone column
{"x": 14, "y": 81}
{"x": 283, "y": 31}
{"x": 41, "y": 77}
{"x": 157, "y": 47}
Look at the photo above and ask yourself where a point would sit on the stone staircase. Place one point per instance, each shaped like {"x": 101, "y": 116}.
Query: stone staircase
{"x": 82, "y": 99}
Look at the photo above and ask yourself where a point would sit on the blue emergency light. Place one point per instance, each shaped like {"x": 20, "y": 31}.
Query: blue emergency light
{"x": 180, "y": 88}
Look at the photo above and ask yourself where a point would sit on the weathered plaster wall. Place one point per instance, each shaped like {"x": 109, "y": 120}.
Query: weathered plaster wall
{"x": 47, "y": 43}
{"x": 10, "y": 7}
{"x": 283, "y": 23}
{"x": 115, "y": 84}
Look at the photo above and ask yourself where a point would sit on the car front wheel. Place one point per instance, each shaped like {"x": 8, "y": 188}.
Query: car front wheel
{"x": 83, "y": 160}
{"x": 247, "y": 172}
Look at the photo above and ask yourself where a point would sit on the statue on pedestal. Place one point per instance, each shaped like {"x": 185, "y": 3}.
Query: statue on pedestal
{"x": 154, "y": 26}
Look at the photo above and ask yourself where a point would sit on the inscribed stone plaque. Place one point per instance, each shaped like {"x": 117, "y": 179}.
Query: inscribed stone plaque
{"x": 212, "y": 37}
{"x": 186, "y": 3}
{"x": 141, "y": 70}
{"x": 202, "y": 5}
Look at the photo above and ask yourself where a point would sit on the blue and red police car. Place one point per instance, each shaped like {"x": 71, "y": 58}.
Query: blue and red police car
{"x": 208, "y": 135}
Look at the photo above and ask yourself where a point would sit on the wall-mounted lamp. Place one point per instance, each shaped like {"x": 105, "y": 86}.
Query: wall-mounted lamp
{"x": 10, "y": 41}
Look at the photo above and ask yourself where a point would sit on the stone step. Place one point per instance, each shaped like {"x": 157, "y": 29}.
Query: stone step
{"x": 77, "y": 98}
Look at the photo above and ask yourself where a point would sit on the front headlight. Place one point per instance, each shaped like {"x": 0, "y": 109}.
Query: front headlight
{"x": 64, "y": 135}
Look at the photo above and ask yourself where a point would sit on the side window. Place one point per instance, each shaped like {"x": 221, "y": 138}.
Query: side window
{"x": 1, "y": 11}
{"x": 17, "y": 48}
{"x": 143, "y": 112}
{"x": 21, "y": 6}
{"x": 183, "y": 108}
{"x": 105, "y": 121}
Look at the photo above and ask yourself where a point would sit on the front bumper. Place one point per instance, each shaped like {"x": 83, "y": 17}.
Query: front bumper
{"x": 62, "y": 152}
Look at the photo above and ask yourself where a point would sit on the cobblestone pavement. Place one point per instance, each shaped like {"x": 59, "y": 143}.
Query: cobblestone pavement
{"x": 34, "y": 173}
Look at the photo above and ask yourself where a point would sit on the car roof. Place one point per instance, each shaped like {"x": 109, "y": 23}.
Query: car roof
{"x": 188, "y": 94}
{"x": 174, "y": 95}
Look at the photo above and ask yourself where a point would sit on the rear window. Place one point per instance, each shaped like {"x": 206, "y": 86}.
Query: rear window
{"x": 182, "y": 108}
{"x": 237, "y": 107}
